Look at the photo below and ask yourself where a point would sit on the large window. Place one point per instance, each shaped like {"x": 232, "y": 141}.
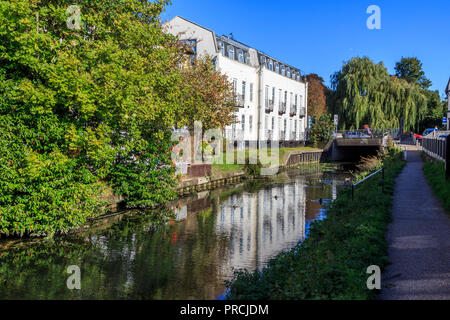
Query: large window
{"x": 222, "y": 48}
{"x": 277, "y": 67}
{"x": 263, "y": 61}
{"x": 251, "y": 91}
{"x": 250, "y": 121}
{"x": 266, "y": 97}
{"x": 270, "y": 65}
{"x": 243, "y": 123}
{"x": 235, "y": 86}
{"x": 288, "y": 72}
{"x": 283, "y": 70}
{"x": 243, "y": 89}
{"x": 231, "y": 52}
{"x": 241, "y": 56}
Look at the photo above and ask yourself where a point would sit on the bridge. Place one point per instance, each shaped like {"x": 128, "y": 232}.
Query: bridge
{"x": 350, "y": 145}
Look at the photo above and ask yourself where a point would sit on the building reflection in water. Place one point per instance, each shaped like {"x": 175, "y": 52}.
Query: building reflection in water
{"x": 215, "y": 232}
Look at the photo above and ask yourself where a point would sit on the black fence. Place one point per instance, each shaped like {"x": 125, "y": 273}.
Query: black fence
{"x": 435, "y": 145}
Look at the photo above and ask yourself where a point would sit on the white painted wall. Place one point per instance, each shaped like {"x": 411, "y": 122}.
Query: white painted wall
{"x": 254, "y": 108}
{"x": 187, "y": 30}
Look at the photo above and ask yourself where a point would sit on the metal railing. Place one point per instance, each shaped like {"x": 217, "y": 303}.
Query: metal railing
{"x": 282, "y": 108}
{"x": 302, "y": 112}
{"x": 354, "y": 185}
{"x": 363, "y": 133}
{"x": 293, "y": 110}
{"x": 434, "y": 145}
{"x": 269, "y": 106}
{"x": 239, "y": 100}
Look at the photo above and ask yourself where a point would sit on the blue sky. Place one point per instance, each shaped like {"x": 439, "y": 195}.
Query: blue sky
{"x": 317, "y": 36}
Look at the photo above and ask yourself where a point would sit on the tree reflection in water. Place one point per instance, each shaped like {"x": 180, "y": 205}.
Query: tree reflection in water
{"x": 189, "y": 257}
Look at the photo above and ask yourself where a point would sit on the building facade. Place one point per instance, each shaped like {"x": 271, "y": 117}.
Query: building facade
{"x": 271, "y": 96}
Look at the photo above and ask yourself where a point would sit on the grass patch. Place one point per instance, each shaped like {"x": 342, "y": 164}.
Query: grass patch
{"x": 435, "y": 173}
{"x": 332, "y": 262}
{"x": 225, "y": 167}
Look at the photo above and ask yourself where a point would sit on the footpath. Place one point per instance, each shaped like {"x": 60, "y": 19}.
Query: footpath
{"x": 418, "y": 237}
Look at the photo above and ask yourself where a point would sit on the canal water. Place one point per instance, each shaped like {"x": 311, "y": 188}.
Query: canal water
{"x": 188, "y": 256}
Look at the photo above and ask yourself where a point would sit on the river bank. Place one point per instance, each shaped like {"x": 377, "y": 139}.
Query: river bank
{"x": 331, "y": 263}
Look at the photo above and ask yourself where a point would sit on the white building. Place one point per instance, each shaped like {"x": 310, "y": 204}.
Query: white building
{"x": 271, "y": 96}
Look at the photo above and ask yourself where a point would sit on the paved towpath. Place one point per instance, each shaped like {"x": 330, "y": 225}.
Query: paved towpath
{"x": 419, "y": 239}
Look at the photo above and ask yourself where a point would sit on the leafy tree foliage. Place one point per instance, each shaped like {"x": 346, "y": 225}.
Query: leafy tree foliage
{"x": 206, "y": 96}
{"x": 364, "y": 93}
{"x": 410, "y": 69}
{"x": 81, "y": 109}
{"x": 322, "y": 130}
{"x": 317, "y": 95}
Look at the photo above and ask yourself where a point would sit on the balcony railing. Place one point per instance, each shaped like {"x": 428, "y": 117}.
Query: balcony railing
{"x": 293, "y": 110}
{"x": 239, "y": 100}
{"x": 269, "y": 106}
{"x": 282, "y": 108}
{"x": 302, "y": 112}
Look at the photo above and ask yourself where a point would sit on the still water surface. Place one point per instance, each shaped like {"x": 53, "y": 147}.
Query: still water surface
{"x": 189, "y": 257}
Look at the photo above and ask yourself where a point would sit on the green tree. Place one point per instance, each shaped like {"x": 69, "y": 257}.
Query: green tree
{"x": 410, "y": 69}
{"x": 364, "y": 93}
{"x": 83, "y": 108}
{"x": 322, "y": 130}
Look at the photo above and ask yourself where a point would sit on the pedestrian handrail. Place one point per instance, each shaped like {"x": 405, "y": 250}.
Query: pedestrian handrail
{"x": 366, "y": 178}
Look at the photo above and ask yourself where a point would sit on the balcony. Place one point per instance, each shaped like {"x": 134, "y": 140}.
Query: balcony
{"x": 302, "y": 113}
{"x": 269, "y": 106}
{"x": 282, "y": 108}
{"x": 239, "y": 100}
{"x": 293, "y": 110}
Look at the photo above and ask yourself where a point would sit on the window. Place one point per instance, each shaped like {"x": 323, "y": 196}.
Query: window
{"x": 292, "y": 100}
{"x": 266, "y": 97}
{"x": 277, "y": 67}
{"x": 301, "y": 101}
{"x": 243, "y": 122}
{"x": 296, "y": 100}
{"x": 273, "y": 123}
{"x": 288, "y": 72}
{"x": 251, "y": 91}
{"x": 283, "y": 70}
{"x": 250, "y": 121}
{"x": 266, "y": 119}
{"x": 273, "y": 94}
{"x": 235, "y": 86}
{"x": 231, "y": 52}
{"x": 285, "y": 97}
{"x": 243, "y": 89}
{"x": 270, "y": 65}
{"x": 246, "y": 56}
{"x": 241, "y": 56}
{"x": 222, "y": 48}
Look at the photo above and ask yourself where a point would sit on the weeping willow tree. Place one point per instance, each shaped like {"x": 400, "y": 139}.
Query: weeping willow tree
{"x": 365, "y": 93}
